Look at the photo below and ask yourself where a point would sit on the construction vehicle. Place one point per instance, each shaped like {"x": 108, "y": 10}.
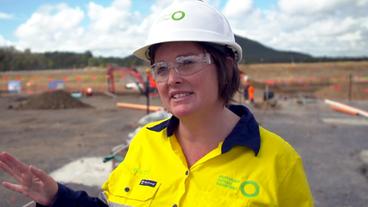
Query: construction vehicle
{"x": 132, "y": 79}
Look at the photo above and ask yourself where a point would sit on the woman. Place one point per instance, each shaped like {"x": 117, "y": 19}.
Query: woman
{"x": 209, "y": 153}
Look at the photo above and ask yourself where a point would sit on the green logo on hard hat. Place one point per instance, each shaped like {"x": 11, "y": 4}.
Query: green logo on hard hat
{"x": 178, "y": 15}
{"x": 249, "y": 188}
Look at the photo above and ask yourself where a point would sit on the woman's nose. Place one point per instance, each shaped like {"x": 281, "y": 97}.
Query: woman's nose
{"x": 174, "y": 77}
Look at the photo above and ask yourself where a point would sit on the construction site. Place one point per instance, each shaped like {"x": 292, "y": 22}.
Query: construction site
{"x": 76, "y": 123}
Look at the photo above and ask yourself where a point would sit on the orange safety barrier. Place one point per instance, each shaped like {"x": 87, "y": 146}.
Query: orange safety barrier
{"x": 138, "y": 106}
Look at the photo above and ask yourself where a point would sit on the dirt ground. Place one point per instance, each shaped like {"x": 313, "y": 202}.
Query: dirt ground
{"x": 50, "y": 139}
{"x": 329, "y": 143}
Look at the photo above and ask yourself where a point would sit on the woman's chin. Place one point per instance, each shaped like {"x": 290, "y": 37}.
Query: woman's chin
{"x": 181, "y": 111}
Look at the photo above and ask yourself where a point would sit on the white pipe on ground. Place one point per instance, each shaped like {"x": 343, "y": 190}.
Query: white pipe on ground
{"x": 346, "y": 108}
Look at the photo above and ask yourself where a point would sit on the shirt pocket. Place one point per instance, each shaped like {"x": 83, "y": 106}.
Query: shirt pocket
{"x": 132, "y": 191}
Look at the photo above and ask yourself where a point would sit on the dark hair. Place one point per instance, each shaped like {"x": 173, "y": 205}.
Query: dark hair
{"x": 228, "y": 78}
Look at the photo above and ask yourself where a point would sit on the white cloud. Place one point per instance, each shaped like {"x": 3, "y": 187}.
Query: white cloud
{"x": 113, "y": 30}
{"x": 237, "y": 8}
{"x": 108, "y": 19}
{"x": 325, "y": 38}
{"x": 54, "y": 27}
{"x": 118, "y": 30}
{"x": 318, "y": 27}
{"x": 4, "y": 42}
{"x": 311, "y": 6}
{"x": 5, "y": 16}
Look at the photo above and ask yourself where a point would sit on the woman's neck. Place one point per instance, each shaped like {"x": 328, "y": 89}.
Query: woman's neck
{"x": 202, "y": 132}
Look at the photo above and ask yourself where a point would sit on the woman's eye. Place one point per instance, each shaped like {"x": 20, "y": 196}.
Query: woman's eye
{"x": 161, "y": 70}
{"x": 188, "y": 61}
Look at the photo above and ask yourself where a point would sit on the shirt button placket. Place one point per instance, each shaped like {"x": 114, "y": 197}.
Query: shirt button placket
{"x": 186, "y": 173}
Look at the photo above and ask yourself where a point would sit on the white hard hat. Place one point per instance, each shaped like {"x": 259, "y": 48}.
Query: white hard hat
{"x": 190, "y": 20}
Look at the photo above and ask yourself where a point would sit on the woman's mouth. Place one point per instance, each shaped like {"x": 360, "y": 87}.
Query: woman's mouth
{"x": 177, "y": 96}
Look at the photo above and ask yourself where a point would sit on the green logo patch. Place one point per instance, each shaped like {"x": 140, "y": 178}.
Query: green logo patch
{"x": 178, "y": 15}
{"x": 249, "y": 188}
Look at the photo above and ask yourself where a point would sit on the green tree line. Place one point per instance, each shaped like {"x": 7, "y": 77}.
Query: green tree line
{"x": 12, "y": 59}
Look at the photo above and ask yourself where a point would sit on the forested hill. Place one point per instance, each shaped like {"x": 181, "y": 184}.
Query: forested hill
{"x": 254, "y": 52}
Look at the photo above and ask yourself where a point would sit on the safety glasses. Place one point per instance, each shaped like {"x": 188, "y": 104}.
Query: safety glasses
{"x": 184, "y": 66}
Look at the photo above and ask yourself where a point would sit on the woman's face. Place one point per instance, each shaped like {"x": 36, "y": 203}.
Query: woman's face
{"x": 185, "y": 95}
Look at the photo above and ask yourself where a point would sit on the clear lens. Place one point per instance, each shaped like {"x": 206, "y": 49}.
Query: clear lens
{"x": 184, "y": 66}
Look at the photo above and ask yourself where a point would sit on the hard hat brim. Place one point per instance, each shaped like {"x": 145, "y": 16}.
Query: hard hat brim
{"x": 142, "y": 52}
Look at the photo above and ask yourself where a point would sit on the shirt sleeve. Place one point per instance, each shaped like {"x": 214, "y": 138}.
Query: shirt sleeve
{"x": 294, "y": 189}
{"x": 68, "y": 197}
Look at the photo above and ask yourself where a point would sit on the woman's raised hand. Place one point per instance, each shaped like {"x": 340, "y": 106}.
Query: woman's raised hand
{"x": 31, "y": 181}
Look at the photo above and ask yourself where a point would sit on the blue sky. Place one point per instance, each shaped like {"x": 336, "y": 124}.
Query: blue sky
{"x": 110, "y": 27}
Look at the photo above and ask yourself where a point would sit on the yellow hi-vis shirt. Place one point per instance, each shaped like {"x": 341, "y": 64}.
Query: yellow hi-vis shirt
{"x": 251, "y": 167}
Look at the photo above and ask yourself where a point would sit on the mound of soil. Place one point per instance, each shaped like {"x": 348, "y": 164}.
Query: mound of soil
{"x": 58, "y": 99}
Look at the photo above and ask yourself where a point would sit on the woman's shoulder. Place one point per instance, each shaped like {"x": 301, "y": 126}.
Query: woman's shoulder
{"x": 151, "y": 130}
{"x": 274, "y": 145}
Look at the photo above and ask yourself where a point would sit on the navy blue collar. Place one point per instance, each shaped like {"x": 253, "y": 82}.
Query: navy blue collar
{"x": 245, "y": 132}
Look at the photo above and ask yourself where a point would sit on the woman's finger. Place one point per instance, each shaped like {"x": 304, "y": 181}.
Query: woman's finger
{"x": 10, "y": 171}
{"x": 13, "y": 187}
{"x": 49, "y": 184}
{"x": 12, "y": 161}
{"x": 40, "y": 174}
{"x": 28, "y": 180}
{"x": 9, "y": 164}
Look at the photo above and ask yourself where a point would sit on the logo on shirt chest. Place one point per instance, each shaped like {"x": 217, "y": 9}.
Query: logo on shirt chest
{"x": 248, "y": 188}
